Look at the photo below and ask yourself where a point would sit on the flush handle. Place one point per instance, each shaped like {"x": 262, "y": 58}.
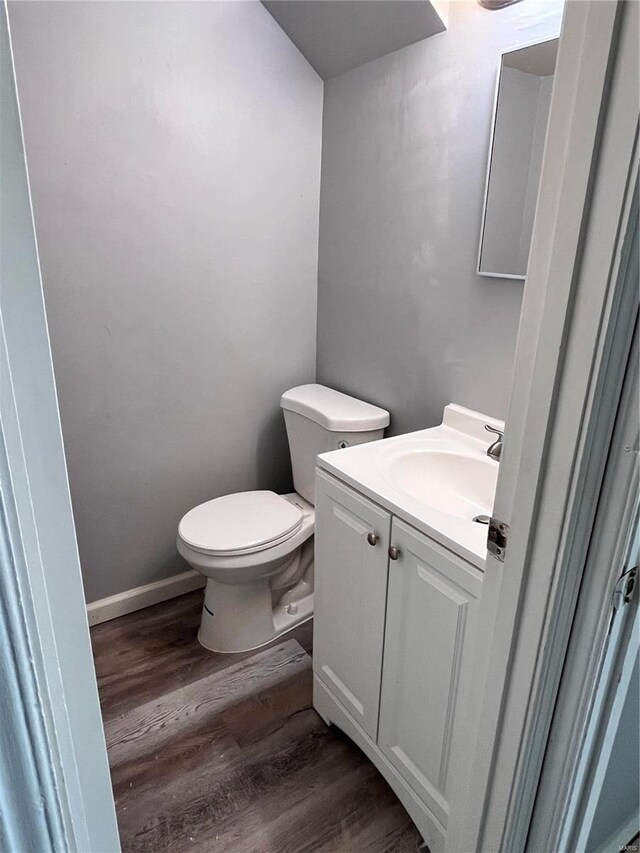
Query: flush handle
{"x": 372, "y": 538}
{"x": 394, "y": 552}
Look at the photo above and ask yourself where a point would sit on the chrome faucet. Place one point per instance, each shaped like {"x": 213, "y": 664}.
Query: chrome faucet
{"x": 494, "y": 451}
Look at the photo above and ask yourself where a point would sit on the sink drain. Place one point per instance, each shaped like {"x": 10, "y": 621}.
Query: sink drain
{"x": 482, "y": 519}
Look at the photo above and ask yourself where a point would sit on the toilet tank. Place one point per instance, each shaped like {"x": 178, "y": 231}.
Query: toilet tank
{"x": 319, "y": 419}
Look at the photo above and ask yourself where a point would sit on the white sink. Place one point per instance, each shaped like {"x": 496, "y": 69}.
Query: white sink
{"x": 437, "y": 480}
{"x": 459, "y": 484}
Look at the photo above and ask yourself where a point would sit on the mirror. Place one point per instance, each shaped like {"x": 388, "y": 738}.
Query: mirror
{"x": 520, "y": 118}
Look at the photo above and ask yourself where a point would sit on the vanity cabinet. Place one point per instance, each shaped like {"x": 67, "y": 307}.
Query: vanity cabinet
{"x": 395, "y": 617}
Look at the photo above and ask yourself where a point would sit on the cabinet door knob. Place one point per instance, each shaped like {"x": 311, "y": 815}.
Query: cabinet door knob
{"x": 372, "y": 538}
{"x": 394, "y": 552}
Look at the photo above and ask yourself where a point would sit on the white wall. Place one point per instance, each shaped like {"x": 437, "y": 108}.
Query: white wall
{"x": 174, "y": 154}
{"x": 403, "y": 318}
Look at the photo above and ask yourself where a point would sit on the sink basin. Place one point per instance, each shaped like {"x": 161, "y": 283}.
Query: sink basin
{"x": 460, "y": 485}
{"x": 437, "y": 480}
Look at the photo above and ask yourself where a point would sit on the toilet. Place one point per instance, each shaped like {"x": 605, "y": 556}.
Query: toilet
{"x": 256, "y": 548}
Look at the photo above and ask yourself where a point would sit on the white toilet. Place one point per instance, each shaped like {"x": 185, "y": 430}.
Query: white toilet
{"x": 256, "y": 548}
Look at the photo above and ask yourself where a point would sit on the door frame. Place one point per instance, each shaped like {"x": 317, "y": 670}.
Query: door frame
{"x": 55, "y": 786}
{"x": 600, "y": 640}
{"x": 595, "y": 760}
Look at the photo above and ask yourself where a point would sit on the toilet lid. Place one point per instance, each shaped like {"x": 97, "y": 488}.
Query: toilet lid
{"x": 240, "y": 522}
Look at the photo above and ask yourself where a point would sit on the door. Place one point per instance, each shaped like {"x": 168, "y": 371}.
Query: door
{"x": 352, "y": 539}
{"x": 588, "y": 793}
{"x": 602, "y": 813}
{"x": 609, "y": 817}
{"x": 431, "y": 616}
{"x": 573, "y": 343}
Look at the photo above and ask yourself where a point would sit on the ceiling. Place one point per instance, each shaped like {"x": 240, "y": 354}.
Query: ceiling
{"x": 338, "y": 35}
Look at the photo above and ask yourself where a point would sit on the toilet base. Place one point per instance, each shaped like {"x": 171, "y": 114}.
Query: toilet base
{"x": 242, "y": 617}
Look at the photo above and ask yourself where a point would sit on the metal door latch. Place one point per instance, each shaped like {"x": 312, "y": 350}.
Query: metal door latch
{"x": 497, "y": 538}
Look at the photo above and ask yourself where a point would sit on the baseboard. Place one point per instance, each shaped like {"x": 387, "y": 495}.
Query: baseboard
{"x": 143, "y": 596}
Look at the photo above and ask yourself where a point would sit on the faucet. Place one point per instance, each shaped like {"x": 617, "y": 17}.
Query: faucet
{"x": 494, "y": 451}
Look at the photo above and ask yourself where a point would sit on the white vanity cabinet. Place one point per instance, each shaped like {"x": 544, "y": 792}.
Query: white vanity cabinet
{"x": 393, "y": 636}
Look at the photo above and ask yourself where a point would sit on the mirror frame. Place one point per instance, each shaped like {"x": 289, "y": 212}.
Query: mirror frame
{"x": 491, "y": 142}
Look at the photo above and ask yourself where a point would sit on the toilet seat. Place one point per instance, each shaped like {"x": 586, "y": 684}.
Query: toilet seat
{"x": 241, "y": 523}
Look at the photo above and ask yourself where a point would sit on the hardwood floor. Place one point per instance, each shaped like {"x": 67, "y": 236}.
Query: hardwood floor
{"x": 225, "y": 753}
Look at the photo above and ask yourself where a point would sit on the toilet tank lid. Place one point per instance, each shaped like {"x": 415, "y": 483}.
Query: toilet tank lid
{"x": 332, "y": 410}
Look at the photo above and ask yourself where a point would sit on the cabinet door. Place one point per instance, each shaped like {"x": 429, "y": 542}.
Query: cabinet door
{"x": 431, "y": 614}
{"x": 349, "y": 598}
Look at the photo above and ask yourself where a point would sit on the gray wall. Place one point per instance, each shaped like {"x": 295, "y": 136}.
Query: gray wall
{"x": 403, "y": 319}
{"x": 174, "y": 156}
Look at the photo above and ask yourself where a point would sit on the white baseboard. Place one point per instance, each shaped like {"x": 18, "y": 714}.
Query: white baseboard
{"x": 143, "y": 596}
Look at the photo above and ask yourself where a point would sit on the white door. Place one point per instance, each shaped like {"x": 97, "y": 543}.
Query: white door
{"x": 431, "y": 614}
{"x": 352, "y": 539}
{"x": 573, "y": 343}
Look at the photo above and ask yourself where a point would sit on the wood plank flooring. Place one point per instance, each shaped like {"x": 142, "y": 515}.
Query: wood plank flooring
{"x": 224, "y": 753}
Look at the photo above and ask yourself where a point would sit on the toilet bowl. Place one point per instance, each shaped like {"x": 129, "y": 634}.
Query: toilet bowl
{"x": 256, "y": 548}
{"x": 256, "y": 551}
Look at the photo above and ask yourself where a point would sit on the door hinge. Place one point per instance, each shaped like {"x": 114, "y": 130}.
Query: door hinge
{"x": 497, "y": 538}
